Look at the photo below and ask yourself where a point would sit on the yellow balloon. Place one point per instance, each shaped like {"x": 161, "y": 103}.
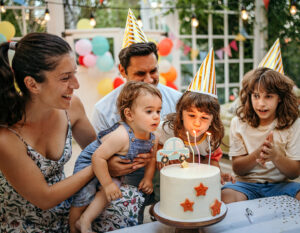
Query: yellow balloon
{"x": 162, "y": 80}
{"x": 84, "y": 24}
{"x": 105, "y": 86}
{"x": 7, "y": 29}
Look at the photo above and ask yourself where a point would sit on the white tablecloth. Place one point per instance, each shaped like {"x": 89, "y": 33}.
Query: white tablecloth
{"x": 270, "y": 215}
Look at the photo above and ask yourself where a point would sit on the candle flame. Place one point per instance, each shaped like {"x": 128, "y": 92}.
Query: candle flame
{"x": 208, "y": 133}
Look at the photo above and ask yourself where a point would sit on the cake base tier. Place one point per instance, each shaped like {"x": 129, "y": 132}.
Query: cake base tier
{"x": 189, "y": 224}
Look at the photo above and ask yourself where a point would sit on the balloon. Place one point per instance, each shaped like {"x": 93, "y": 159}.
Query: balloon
{"x": 100, "y": 45}
{"x": 2, "y": 38}
{"x": 89, "y": 60}
{"x": 84, "y": 24}
{"x": 83, "y": 47}
{"x": 105, "y": 86}
{"x": 171, "y": 75}
{"x": 80, "y": 60}
{"x": 117, "y": 82}
{"x": 165, "y": 46}
{"x": 172, "y": 85}
{"x": 7, "y": 29}
{"x": 162, "y": 80}
{"x": 164, "y": 66}
{"x": 105, "y": 62}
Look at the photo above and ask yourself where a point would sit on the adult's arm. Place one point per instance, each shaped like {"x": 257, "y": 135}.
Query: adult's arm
{"x": 82, "y": 130}
{"x": 27, "y": 179}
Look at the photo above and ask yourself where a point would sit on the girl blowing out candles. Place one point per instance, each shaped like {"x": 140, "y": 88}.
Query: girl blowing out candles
{"x": 197, "y": 112}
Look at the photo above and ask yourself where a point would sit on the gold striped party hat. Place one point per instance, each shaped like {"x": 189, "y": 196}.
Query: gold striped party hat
{"x": 273, "y": 58}
{"x": 205, "y": 80}
{"x": 133, "y": 33}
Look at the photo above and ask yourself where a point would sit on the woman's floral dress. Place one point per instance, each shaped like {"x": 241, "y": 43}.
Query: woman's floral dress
{"x": 19, "y": 215}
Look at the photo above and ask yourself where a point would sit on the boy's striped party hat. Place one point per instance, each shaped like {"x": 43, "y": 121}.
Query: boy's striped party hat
{"x": 273, "y": 58}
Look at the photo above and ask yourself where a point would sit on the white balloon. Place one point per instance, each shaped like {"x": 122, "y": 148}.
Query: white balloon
{"x": 164, "y": 66}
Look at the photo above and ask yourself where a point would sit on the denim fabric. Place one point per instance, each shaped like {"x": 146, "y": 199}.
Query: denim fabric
{"x": 136, "y": 146}
{"x": 259, "y": 190}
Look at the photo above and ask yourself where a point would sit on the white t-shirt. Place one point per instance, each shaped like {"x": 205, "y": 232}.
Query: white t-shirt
{"x": 245, "y": 139}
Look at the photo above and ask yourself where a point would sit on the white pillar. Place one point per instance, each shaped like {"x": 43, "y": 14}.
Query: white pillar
{"x": 260, "y": 33}
{"x": 56, "y": 25}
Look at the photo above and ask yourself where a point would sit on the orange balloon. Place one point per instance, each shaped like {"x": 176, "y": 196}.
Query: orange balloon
{"x": 171, "y": 75}
{"x": 172, "y": 85}
{"x": 165, "y": 46}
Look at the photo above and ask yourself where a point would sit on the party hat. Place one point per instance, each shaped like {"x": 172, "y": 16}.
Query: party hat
{"x": 133, "y": 33}
{"x": 273, "y": 58}
{"x": 205, "y": 80}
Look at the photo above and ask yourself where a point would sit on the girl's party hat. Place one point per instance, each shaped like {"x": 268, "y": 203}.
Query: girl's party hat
{"x": 273, "y": 59}
{"x": 133, "y": 33}
{"x": 205, "y": 80}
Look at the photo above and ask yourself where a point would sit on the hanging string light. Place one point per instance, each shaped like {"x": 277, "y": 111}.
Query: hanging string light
{"x": 293, "y": 9}
{"x": 139, "y": 21}
{"x": 92, "y": 20}
{"x": 2, "y": 7}
{"x": 47, "y": 13}
{"x": 244, "y": 13}
{"x": 194, "y": 21}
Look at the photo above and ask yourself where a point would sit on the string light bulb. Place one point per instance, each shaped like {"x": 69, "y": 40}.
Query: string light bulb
{"x": 139, "y": 21}
{"x": 2, "y": 7}
{"x": 47, "y": 13}
{"x": 194, "y": 21}
{"x": 244, "y": 13}
{"x": 92, "y": 20}
{"x": 293, "y": 9}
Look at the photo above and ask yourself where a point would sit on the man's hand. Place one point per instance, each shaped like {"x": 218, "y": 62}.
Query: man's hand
{"x": 120, "y": 167}
{"x": 146, "y": 186}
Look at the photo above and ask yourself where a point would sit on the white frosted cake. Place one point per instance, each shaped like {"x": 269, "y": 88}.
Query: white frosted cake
{"x": 190, "y": 193}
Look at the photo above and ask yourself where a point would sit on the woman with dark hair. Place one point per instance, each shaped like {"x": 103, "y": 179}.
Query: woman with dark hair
{"x": 39, "y": 115}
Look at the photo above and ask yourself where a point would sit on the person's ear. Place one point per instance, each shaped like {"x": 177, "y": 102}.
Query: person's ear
{"x": 32, "y": 85}
{"x": 128, "y": 114}
{"x": 122, "y": 71}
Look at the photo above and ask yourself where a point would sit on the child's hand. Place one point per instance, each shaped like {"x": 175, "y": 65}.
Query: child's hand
{"x": 112, "y": 192}
{"x": 146, "y": 186}
{"x": 268, "y": 151}
{"x": 226, "y": 177}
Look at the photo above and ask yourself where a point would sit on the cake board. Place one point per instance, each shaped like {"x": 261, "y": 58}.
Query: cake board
{"x": 189, "y": 224}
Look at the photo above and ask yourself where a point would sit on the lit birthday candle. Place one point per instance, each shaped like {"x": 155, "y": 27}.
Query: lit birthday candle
{"x": 209, "y": 134}
{"x": 196, "y": 146}
{"x": 188, "y": 138}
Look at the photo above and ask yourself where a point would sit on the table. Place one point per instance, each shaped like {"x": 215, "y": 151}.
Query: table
{"x": 270, "y": 215}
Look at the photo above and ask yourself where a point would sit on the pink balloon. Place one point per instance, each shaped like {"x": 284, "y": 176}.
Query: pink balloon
{"x": 89, "y": 60}
{"x": 83, "y": 47}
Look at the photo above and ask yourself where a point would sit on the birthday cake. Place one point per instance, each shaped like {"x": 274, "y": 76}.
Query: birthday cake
{"x": 190, "y": 191}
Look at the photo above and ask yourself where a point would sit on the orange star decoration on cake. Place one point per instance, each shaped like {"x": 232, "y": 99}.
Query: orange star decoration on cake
{"x": 215, "y": 208}
{"x": 187, "y": 205}
{"x": 201, "y": 190}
